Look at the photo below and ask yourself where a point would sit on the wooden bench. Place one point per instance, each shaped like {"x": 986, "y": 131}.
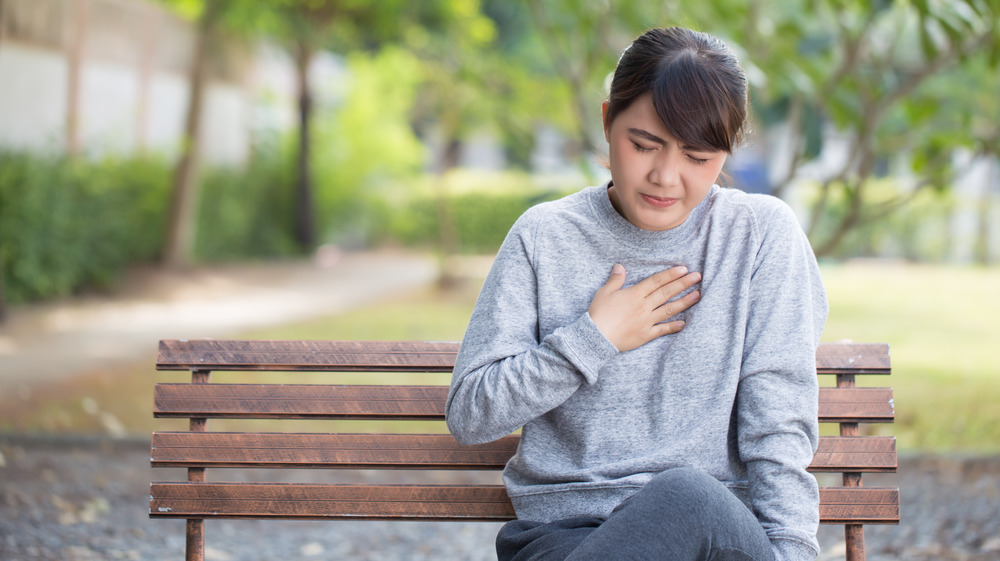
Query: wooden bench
{"x": 197, "y": 499}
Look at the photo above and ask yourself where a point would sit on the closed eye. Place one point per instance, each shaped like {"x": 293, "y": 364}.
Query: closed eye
{"x": 641, "y": 148}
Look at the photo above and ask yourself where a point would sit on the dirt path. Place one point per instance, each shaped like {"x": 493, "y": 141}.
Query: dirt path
{"x": 44, "y": 344}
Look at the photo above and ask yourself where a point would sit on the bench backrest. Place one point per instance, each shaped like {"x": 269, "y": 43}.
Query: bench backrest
{"x": 197, "y": 449}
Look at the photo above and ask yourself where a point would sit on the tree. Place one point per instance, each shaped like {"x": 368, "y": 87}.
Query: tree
{"x": 182, "y": 219}
{"x": 863, "y": 67}
{"x": 871, "y": 76}
{"x": 340, "y": 26}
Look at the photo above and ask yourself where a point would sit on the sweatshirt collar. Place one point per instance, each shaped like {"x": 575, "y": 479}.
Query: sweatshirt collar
{"x": 629, "y": 233}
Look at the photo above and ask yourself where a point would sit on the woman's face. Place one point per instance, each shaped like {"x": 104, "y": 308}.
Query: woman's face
{"x": 657, "y": 181}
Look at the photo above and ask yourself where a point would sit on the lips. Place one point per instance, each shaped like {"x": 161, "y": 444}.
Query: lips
{"x": 659, "y": 202}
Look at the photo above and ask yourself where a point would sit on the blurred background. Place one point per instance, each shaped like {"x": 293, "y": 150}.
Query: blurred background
{"x": 347, "y": 168}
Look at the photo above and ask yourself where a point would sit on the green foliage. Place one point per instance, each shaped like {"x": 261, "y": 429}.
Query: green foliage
{"x": 67, "y": 224}
{"x": 366, "y": 143}
{"x": 246, "y": 213}
{"x": 483, "y": 207}
{"x": 912, "y": 226}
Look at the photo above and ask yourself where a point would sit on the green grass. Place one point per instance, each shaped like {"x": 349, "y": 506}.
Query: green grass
{"x": 942, "y": 326}
{"x": 941, "y": 323}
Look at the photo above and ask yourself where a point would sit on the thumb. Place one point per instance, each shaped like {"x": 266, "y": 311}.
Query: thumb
{"x": 617, "y": 278}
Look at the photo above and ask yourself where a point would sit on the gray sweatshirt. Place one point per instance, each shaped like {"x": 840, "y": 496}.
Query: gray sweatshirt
{"x": 733, "y": 394}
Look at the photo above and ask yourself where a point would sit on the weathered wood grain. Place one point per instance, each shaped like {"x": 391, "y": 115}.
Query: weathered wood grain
{"x": 413, "y": 356}
{"x": 426, "y": 451}
{"x": 270, "y": 401}
{"x": 838, "y": 505}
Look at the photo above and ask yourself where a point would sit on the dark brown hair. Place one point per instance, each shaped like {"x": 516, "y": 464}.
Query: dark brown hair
{"x": 698, "y": 87}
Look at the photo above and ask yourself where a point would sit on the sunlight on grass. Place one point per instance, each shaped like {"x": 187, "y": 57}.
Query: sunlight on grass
{"x": 940, "y": 323}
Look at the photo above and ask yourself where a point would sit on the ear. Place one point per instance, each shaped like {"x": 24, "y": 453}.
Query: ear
{"x": 604, "y": 119}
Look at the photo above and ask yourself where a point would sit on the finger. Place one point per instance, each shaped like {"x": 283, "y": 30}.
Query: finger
{"x": 617, "y": 279}
{"x": 667, "y": 328}
{"x": 661, "y": 295}
{"x": 671, "y": 309}
{"x": 651, "y": 284}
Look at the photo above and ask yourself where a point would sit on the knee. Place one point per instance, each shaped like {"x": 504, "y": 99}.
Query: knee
{"x": 687, "y": 484}
{"x": 687, "y": 492}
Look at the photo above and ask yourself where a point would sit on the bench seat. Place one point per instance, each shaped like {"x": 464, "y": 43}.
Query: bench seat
{"x": 197, "y": 450}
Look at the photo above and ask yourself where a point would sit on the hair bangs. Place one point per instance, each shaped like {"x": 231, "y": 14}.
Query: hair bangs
{"x": 688, "y": 99}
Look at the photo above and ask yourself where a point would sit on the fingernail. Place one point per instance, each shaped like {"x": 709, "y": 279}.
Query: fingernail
{"x": 683, "y": 270}
{"x": 696, "y": 295}
{"x": 617, "y": 270}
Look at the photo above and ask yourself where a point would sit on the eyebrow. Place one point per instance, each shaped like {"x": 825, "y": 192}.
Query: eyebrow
{"x": 647, "y": 135}
{"x": 652, "y": 137}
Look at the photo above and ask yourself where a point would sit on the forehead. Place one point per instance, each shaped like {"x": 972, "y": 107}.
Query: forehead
{"x": 641, "y": 113}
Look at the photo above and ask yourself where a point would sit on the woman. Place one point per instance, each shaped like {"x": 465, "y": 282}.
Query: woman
{"x": 669, "y": 411}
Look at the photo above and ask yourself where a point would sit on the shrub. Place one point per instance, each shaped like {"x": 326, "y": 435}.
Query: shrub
{"x": 67, "y": 224}
{"x": 482, "y": 207}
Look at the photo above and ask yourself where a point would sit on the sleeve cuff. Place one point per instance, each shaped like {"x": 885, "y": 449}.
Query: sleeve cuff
{"x": 792, "y": 550}
{"x": 584, "y": 346}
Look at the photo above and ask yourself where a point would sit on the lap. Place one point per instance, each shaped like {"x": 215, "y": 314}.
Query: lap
{"x": 681, "y": 514}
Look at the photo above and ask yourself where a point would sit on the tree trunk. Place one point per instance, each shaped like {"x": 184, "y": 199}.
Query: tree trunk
{"x": 305, "y": 223}
{"x": 3, "y": 299}
{"x": 182, "y": 225}
{"x": 447, "y": 230}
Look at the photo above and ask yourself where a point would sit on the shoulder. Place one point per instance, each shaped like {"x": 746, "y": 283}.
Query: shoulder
{"x": 571, "y": 208}
{"x": 570, "y": 204}
{"x": 768, "y": 213}
{"x": 760, "y": 205}
{"x": 551, "y": 220}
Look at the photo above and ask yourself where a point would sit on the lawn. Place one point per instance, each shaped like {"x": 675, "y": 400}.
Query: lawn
{"x": 940, "y": 322}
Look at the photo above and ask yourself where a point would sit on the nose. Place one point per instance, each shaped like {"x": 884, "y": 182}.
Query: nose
{"x": 665, "y": 170}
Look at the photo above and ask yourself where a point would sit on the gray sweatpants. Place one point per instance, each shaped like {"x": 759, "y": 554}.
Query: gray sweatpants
{"x": 681, "y": 515}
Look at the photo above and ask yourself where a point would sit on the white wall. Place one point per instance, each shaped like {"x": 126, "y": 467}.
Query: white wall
{"x": 34, "y": 82}
{"x": 33, "y": 85}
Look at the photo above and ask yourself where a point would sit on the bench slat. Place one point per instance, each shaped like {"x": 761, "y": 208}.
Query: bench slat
{"x": 426, "y": 451}
{"x": 327, "y": 356}
{"x": 330, "y": 501}
{"x": 265, "y": 401}
{"x": 838, "y": 505}
{"x": 342, "y": 451}
{"x": 873, "y": 454}
{"x": 269, "y": 401}
{"x": 414, "y": 356}
{"x": 856, "y": 405}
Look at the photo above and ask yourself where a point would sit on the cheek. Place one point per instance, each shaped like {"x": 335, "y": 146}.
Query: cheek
{"x": 706, "y": 175}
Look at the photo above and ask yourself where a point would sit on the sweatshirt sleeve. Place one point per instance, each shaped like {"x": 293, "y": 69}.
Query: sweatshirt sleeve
{"x": 504, "y": 374}
{"x": 778, "y": 391}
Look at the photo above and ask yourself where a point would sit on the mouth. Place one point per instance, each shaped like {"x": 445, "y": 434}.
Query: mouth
{"x": 658, "y": 202}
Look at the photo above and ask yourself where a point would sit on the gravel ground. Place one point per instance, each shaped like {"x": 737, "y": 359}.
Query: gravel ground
{"x": 85, "y": 500}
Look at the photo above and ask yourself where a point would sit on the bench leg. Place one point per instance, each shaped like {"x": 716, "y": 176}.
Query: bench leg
{"x": 195, "y": 540}
{"x": 854, "y": 534}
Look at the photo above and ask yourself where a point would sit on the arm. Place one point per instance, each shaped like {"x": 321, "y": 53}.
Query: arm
{"x": 777, "y": 396}
{"x": 506, "y": 374}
